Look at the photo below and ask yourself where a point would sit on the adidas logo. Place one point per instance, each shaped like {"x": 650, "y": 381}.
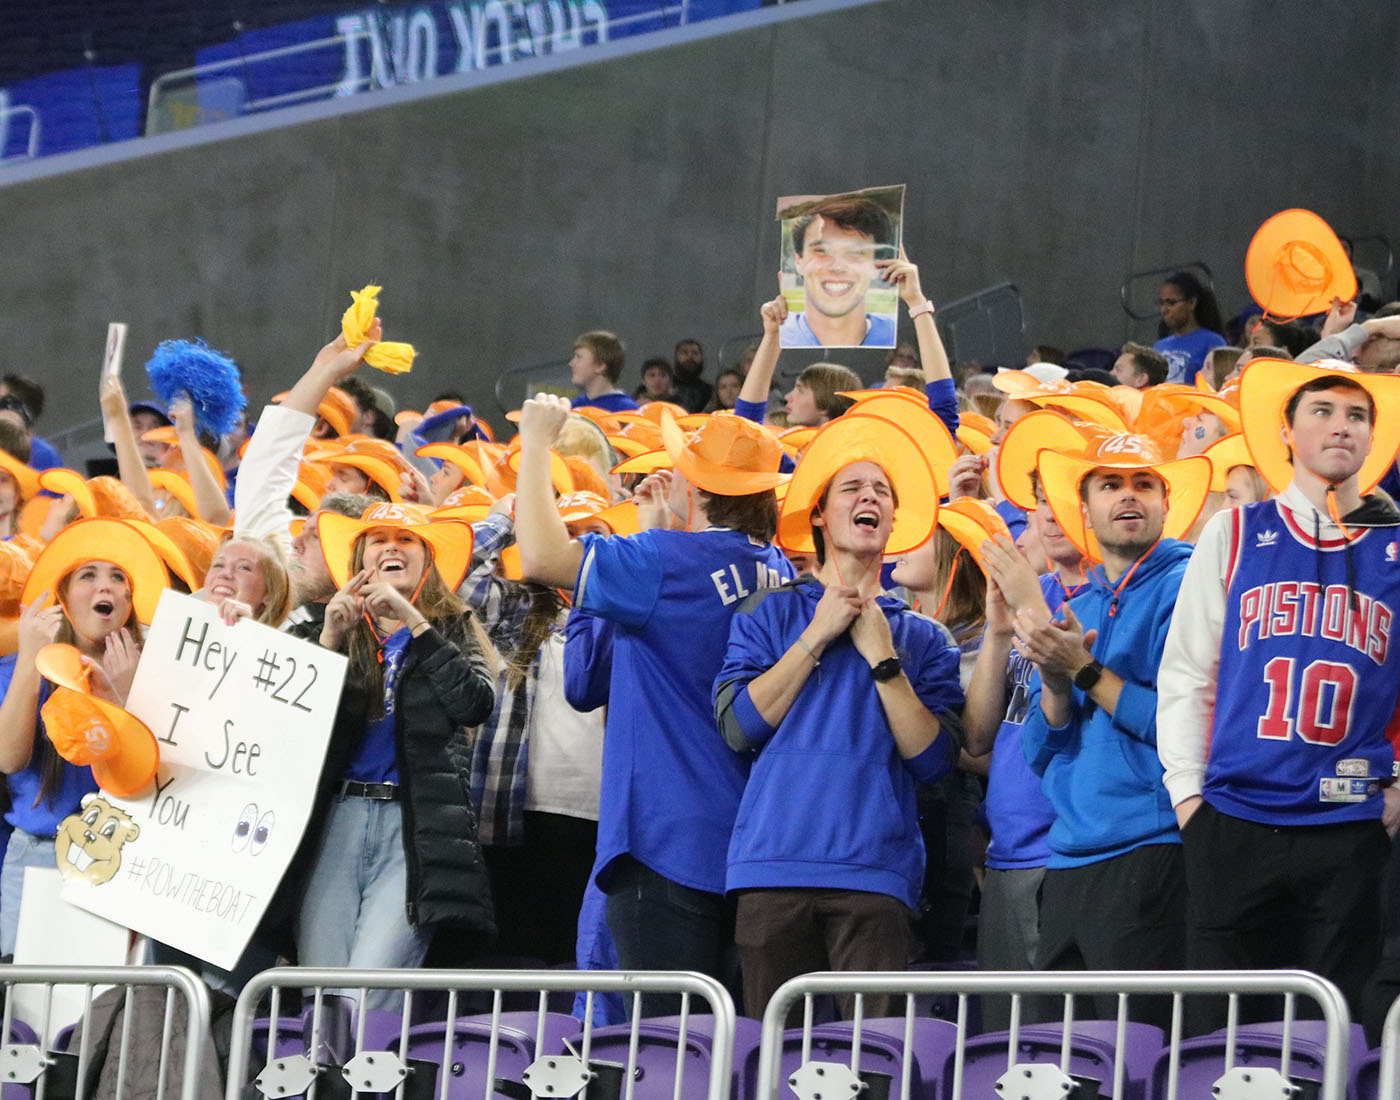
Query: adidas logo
{"x": 1265, "y": 538}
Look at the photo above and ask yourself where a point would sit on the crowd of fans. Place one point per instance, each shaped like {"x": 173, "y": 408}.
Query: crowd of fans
{"x": 693, "y": 679}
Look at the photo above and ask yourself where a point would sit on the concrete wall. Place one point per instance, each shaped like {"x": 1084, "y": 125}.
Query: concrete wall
{"x": 1057, "y": 144}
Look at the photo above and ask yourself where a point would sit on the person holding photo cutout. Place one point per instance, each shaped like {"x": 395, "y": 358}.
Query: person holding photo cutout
{"x": 836, "y": 247}
{"x": 397, "y": 851}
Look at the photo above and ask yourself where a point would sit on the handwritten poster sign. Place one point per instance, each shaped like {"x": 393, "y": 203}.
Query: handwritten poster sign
{"x": 242, "y": 715}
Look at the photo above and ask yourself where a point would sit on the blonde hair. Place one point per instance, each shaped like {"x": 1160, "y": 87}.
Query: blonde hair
{"x": 277, "y": 584}
{"x": 905, "y": 376}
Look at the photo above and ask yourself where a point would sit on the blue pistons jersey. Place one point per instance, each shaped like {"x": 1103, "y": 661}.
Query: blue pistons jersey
{"x": 1308, "y": 672}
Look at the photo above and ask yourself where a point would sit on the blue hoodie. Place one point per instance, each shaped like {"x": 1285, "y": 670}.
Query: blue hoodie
{"x": 1101, "y": 771}
{"x": 830, "y": 802}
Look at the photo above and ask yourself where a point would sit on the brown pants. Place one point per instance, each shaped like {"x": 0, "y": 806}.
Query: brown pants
{"x": 782, "y": 933}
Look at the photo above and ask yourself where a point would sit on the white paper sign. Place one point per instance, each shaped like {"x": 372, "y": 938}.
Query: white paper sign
{"x": 243, "y": 716}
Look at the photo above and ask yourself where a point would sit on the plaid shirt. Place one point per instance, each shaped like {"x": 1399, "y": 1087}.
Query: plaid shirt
{"x": 501, "y": 753}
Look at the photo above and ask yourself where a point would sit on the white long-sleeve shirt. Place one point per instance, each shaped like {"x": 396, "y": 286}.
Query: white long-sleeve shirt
{"x": 268, "y": 472}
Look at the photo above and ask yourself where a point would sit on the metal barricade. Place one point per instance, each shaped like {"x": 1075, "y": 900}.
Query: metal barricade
{"x": 1390, "y": 1053}
{"x": 341, "y": 1046}
{"x": 1136, "y": 282}
{"x": 1041, "y": 1080}
{"x": 52, "y": 1073}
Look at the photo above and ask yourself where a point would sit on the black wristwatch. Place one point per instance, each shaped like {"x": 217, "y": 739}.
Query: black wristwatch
{"x": 1088, "y": 676}
{"x": 886, "y": 670}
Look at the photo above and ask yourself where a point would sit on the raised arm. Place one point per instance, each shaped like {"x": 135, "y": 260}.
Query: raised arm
{"x": 933, "y": 357}
{"x": 759, "y": 380}
{"x": 130, "y": 468}
{"x": 547, "y": 554}
{"x": 19, "y": 712}
{"x": 269, "y": 468}
{"x": 208, "y": 497}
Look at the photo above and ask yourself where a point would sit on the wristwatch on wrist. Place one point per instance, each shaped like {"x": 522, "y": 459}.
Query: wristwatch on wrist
{"x": 886, "y": 670}
{"x": 1088, "y": 676}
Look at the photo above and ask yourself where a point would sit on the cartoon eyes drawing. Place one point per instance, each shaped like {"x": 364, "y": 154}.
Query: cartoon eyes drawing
{"x": 244, "y": 829}
{"x": 260, "y": 832}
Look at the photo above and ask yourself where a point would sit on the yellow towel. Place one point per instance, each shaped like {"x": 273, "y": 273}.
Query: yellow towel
{"x": 386, "y": 356}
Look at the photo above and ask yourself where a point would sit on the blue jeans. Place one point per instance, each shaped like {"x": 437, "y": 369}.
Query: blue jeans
{"x": 24, "y": 850}
{"x": 658, "y": 924}
{"x": 354, "y": 913}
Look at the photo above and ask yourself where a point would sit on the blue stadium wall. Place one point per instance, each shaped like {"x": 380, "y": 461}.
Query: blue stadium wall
{"x": 1059, "y": 145}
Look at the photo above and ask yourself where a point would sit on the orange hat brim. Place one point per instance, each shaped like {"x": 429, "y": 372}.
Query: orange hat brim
{"x": 70, "y": 483}
{"x": 1024, "y": 440}
{"x": 972, "y": 522}
{"x": 382, "y": 473}
{"x": 922, "y": 425}
{"x": 450, "y": 452}
{"x": 26, "y": 477}
{"x": 178, "y": 486}
{"x": 169, "y": 550}
{"x": 132, "y": 755}
{"x": 1225, "y": 454}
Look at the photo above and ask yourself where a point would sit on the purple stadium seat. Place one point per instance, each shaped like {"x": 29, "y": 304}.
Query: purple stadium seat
{"x": 656, "y": 1054}
{"x": 1091, "y": 1055}
{"x": 1366, "y": 1076}
{"x": 881, "y": 1051}
{"x": 1203, "y": 1058}
{"x": 471, "y": 1039}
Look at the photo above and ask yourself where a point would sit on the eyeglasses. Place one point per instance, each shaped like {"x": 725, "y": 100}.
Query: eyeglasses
{"x": 1170, "y": 301}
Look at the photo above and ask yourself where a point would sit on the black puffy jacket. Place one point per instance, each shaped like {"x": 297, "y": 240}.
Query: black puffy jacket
{"x": 443, "y": 689}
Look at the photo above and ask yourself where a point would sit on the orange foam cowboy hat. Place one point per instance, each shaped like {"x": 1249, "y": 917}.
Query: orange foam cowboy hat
{"x": 726, "y": 456}
{"x": 1187, "y": 481}
{"x": 86, "y": 730}
{"x": 449, "y": 539}
{"x": 859, "y": 438}
{"x": 110, "y": 540}
{"x": 1265, "y": 388}
{"x": 1296, "y": 265}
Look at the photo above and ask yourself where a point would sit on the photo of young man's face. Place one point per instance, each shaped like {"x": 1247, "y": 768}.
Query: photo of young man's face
{"x": 830, "y": 265}
{"x": 837, "y": 266}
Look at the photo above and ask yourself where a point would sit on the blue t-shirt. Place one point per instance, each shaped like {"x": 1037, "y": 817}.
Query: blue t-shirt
{"x": 1018, "y": 813}
{"x": 376, "y": 760}
{"x": 1187, "y": 354}
{"x": 797, "y": 333}
{"x": 43, "y": 819}
{"x": 614, "y": 402}
{"x": 671, "y": 786}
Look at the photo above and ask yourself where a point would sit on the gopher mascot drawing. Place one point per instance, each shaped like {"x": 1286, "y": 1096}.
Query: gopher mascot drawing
{"x": 89, "y": 842}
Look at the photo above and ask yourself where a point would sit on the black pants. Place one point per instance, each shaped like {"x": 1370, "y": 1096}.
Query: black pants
{"x": 538, "y": 886}
{"x": 1124, "y": 913}
{"x": 1265, "y": 896}
{"x": 658, "y": 924}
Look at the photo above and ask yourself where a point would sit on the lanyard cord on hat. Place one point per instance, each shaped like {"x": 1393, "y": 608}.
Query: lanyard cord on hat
{"x": 948, "y": 588}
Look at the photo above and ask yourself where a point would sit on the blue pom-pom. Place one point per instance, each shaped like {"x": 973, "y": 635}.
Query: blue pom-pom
{"x": 209, "y": 377}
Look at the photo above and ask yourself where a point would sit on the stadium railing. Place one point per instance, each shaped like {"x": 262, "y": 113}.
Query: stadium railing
{"x": 43, "y": 1060}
